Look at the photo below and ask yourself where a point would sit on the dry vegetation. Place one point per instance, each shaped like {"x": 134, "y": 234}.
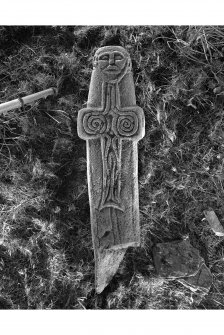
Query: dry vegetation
{"x": 46, "y": 255}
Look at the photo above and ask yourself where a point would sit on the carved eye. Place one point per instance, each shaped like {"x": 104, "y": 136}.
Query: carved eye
{"x": 104, "y": 57}
{"x": 118, "y": 57}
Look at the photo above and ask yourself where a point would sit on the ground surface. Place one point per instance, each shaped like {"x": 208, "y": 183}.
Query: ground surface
{"x": 46, "y": 255}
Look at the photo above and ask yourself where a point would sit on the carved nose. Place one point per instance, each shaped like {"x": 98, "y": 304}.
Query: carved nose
{"x": 111, "y": 60}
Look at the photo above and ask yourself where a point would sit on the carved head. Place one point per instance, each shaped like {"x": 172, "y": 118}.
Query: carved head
{"x": 113, "y": 61}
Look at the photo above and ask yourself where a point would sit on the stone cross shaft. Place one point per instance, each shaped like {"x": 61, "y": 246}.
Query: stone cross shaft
{"x": 112, "y": 125}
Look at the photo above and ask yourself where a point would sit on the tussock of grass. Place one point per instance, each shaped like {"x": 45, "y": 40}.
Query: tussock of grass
{"x": 46, "y": 255}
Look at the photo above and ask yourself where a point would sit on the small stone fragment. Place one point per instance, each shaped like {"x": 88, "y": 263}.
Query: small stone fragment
{"x": 176, "y": 259}
{"x": 214, "y": 223}
{"x": 201, "y": 281}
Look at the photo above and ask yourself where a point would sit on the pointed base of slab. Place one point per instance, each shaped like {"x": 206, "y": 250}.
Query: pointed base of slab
{"x": 107, "y": 263}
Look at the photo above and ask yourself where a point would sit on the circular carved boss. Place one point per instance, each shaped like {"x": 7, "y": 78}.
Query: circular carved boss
{"x": 128, "y": 123}
{"x": 125, "y": 124}
{"x": 91, "y": 123}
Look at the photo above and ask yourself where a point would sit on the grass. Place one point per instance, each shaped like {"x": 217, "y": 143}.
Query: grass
{"x": 46, "y": 254}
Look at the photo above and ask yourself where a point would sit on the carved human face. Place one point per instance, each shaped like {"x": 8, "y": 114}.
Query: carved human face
{"x": 112, "y": 62}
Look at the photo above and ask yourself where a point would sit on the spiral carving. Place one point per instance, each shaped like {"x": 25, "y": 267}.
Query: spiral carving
{"x": 94, "y": 123}
{"x": 126, "y": 124}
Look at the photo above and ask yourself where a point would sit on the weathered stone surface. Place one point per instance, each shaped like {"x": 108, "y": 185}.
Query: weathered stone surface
{"x": 214, "y": 223}
{"x": 202, "y": 280}
{"x": 176, "y": 259}
{"x": 107, "y": 263}
{"x": 112, "y": 125}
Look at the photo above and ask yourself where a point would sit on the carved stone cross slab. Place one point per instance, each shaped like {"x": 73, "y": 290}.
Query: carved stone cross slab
{"x": 112, "y": 125}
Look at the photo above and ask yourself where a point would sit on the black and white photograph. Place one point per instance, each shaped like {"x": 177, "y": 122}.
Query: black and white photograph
{"x": 111, "y": 167}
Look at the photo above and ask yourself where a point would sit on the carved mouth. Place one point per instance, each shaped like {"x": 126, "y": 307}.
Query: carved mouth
{"x": 112, "y": 69}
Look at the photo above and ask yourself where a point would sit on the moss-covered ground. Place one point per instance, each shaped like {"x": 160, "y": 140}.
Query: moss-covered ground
{"x": 46, "y": 254}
